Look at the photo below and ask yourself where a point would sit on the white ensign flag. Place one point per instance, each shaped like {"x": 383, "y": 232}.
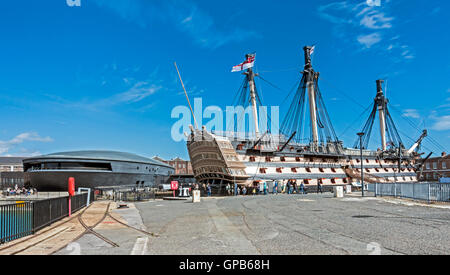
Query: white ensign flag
{"x": 249, "y": 63}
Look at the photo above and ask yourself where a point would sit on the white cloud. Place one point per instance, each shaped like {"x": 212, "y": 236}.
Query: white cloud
{"x": 412, "y": 113}
{"x": 369, "y": 40}
{"x": 6, "y": 146}
{"x": 441, "y": 123}
{"x": 351, "y": 19}
{"x": 374, "y": 19}
{"x": 185, "y": 15}
{"x": 138, "y": 92}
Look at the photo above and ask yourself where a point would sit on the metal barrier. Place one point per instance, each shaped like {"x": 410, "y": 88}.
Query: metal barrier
{"x": 430, "y": 192}
{"x": 26, "y": 218}
{"x": 16, "y": 221}
{"x": 134, "y": 196}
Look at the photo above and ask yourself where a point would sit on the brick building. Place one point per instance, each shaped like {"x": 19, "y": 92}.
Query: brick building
{"x": 182, "y": 167}
{"x": 11, "y": 172}
{"x": 436, "y": 168}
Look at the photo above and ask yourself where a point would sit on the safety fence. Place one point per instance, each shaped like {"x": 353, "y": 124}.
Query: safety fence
{"x": 27, "y": 217}
{"x": 430, "y": 192}
{"x": 131, "y": 196}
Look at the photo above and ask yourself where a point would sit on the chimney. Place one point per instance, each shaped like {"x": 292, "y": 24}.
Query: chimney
{"x": 444, "y": 154}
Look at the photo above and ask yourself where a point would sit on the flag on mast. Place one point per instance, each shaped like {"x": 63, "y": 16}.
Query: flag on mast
{"x": 312, "y": 49}
{"x": 249, "y": 63}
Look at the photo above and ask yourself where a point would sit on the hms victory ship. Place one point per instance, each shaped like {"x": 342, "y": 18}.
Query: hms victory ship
{"x": 223, "y": 158}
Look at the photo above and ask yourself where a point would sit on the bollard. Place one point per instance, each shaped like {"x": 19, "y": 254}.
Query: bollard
{"x": 71, "y": 189}
{"x": 196, "y": 196}
{"x": 338, "y": 191}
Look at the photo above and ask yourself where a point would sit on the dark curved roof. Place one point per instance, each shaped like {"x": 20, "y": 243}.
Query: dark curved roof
{"x": 100, "y": 155}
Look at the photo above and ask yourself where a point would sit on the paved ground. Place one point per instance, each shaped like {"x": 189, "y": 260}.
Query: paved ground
{"x": 281, "y": 224}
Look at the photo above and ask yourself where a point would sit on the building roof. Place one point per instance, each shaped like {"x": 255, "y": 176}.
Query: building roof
{"x": 438, "y": 158}
{"x": 178, "y": 159}
{"x": 158, "y": 159}
{"x": 11, "y": 160}
{"x": 100, "y": 155}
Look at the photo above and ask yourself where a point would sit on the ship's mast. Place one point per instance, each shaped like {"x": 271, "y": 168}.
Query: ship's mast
{"x": 381, "y": 101}
{"x": 310, "y": 76}
{"x": 251, "y": 82}
{"x": 388, "y": 130}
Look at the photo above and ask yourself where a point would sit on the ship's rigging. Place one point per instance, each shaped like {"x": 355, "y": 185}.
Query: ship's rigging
{"x": 321, "y": 128}
{"x": 313, "y": 157}
{"x": 308, "y": 99}
{"x": 388, "y": 131}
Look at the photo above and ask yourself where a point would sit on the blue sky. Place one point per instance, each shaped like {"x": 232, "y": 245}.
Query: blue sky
{"x": 101, "y": 76}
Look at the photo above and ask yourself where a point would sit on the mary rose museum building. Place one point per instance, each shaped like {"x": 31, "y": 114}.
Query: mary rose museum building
{"x": 94, "y": 169}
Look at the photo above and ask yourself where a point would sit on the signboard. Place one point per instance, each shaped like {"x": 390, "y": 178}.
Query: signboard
{"x": 174, "y": 185}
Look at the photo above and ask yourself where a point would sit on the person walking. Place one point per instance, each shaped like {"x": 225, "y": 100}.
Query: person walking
{"x": 209, "y": 190}
{"x": 265, "y": 188}
{"x": 302, "y": 189}
{"x": 319, "y": 187}
{"x": 275, "y": 188}
{"x": 228, "y": 188}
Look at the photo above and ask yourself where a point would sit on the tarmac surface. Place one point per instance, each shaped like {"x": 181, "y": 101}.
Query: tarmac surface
{"x": 274, "y": 225}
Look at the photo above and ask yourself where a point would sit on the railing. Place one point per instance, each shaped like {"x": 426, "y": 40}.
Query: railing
{"x": 131, "y": 196}
{"x": 26, "y": 218}
{"x": 430, "y": 192}
{"x": 16, "y": 221}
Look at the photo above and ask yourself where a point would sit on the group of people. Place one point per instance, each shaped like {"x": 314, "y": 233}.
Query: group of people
{"x": 16, "y": 191}
{"x": 206, "y": 188}
{"x": 283, "y": 187}
{"x": 278, "y": 187}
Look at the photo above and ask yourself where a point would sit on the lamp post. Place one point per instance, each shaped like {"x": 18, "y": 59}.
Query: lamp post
{"x": 362, "y": 163}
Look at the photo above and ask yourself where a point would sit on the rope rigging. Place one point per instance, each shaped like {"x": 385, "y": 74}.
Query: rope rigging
{"x": 295, "y": 118}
